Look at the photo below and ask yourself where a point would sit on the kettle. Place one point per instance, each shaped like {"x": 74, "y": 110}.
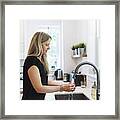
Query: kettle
{"x": 59, "y": 74}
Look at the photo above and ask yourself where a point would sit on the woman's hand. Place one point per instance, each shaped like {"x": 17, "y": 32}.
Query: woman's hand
{"x": 67, "y": 87}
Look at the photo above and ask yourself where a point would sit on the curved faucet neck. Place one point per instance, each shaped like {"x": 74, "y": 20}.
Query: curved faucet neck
{"x": 97, "y": 73}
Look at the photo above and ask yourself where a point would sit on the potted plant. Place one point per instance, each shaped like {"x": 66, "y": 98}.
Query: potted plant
{"x": 76, "y": 49}
{"x": 82, "y": 47}
{"x": 73, "y": 49}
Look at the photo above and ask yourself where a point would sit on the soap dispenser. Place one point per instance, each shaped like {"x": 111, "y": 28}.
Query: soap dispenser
{"x": 93, "y": 91}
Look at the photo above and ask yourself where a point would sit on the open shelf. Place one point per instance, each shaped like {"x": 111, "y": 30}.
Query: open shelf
{"x": 76, "y": 56}
{"x": 79, "y": 56}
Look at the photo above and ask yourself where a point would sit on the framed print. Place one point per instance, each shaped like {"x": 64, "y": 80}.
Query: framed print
{"x": 80, "y": 79}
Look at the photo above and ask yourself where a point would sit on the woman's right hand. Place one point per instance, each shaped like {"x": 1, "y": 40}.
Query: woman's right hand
{"x": 67, "y": 87}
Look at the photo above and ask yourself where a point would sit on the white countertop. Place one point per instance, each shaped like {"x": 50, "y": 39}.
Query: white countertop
{"x": 86, "y": 91}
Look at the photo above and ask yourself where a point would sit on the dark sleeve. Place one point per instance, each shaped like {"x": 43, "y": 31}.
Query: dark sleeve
{"x": 30, "y": 61}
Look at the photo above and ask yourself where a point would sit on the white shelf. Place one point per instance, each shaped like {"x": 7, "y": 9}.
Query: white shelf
{"x": 76, "y": 56}
{"x": 79, "y": 55}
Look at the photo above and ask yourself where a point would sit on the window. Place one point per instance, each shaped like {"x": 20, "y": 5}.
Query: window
{"x": 53, "y": 28}
{"x": 53, "y": 54}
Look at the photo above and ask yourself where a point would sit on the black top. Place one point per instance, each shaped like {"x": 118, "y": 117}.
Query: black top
{"x": 29, "y": 92}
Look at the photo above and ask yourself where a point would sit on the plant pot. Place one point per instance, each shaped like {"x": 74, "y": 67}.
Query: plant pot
{"x": 73, "y": 52}
{"x": 81, "y": 52}
{"x": 76, "y": 51}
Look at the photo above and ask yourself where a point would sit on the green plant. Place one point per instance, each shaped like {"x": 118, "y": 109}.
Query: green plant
{"x": 73, "y": 47}
{"x": 82, "y": 45}
{"x": 76, "y": 46}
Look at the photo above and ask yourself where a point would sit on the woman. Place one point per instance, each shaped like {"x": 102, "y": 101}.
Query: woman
{"x": 35, "y": 71}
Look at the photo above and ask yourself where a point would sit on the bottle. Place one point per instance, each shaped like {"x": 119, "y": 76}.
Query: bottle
{"x": 93, "y": 91}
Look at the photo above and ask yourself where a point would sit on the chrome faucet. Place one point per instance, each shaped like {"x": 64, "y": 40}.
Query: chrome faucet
{"x": 97, "y": 73}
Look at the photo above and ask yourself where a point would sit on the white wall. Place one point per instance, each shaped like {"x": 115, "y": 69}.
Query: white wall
{"x": 75, "y": 32}
{"x": 69, "y": 38}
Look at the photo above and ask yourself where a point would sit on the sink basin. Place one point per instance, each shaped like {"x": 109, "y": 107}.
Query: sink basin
{"x": 74, "y": 96}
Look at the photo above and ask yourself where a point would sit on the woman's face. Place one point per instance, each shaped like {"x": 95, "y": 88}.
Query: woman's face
{"x": 46, "y": 46}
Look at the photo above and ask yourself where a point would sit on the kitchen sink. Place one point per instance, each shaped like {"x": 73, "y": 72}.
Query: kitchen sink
{"x": 72, "y": 96}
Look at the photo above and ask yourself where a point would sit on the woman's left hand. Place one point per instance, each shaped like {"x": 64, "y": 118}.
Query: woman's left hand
{"x": 67, "y": 87}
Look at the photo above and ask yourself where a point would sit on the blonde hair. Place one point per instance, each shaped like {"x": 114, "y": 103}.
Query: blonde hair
{"x": 35, "y": 47}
